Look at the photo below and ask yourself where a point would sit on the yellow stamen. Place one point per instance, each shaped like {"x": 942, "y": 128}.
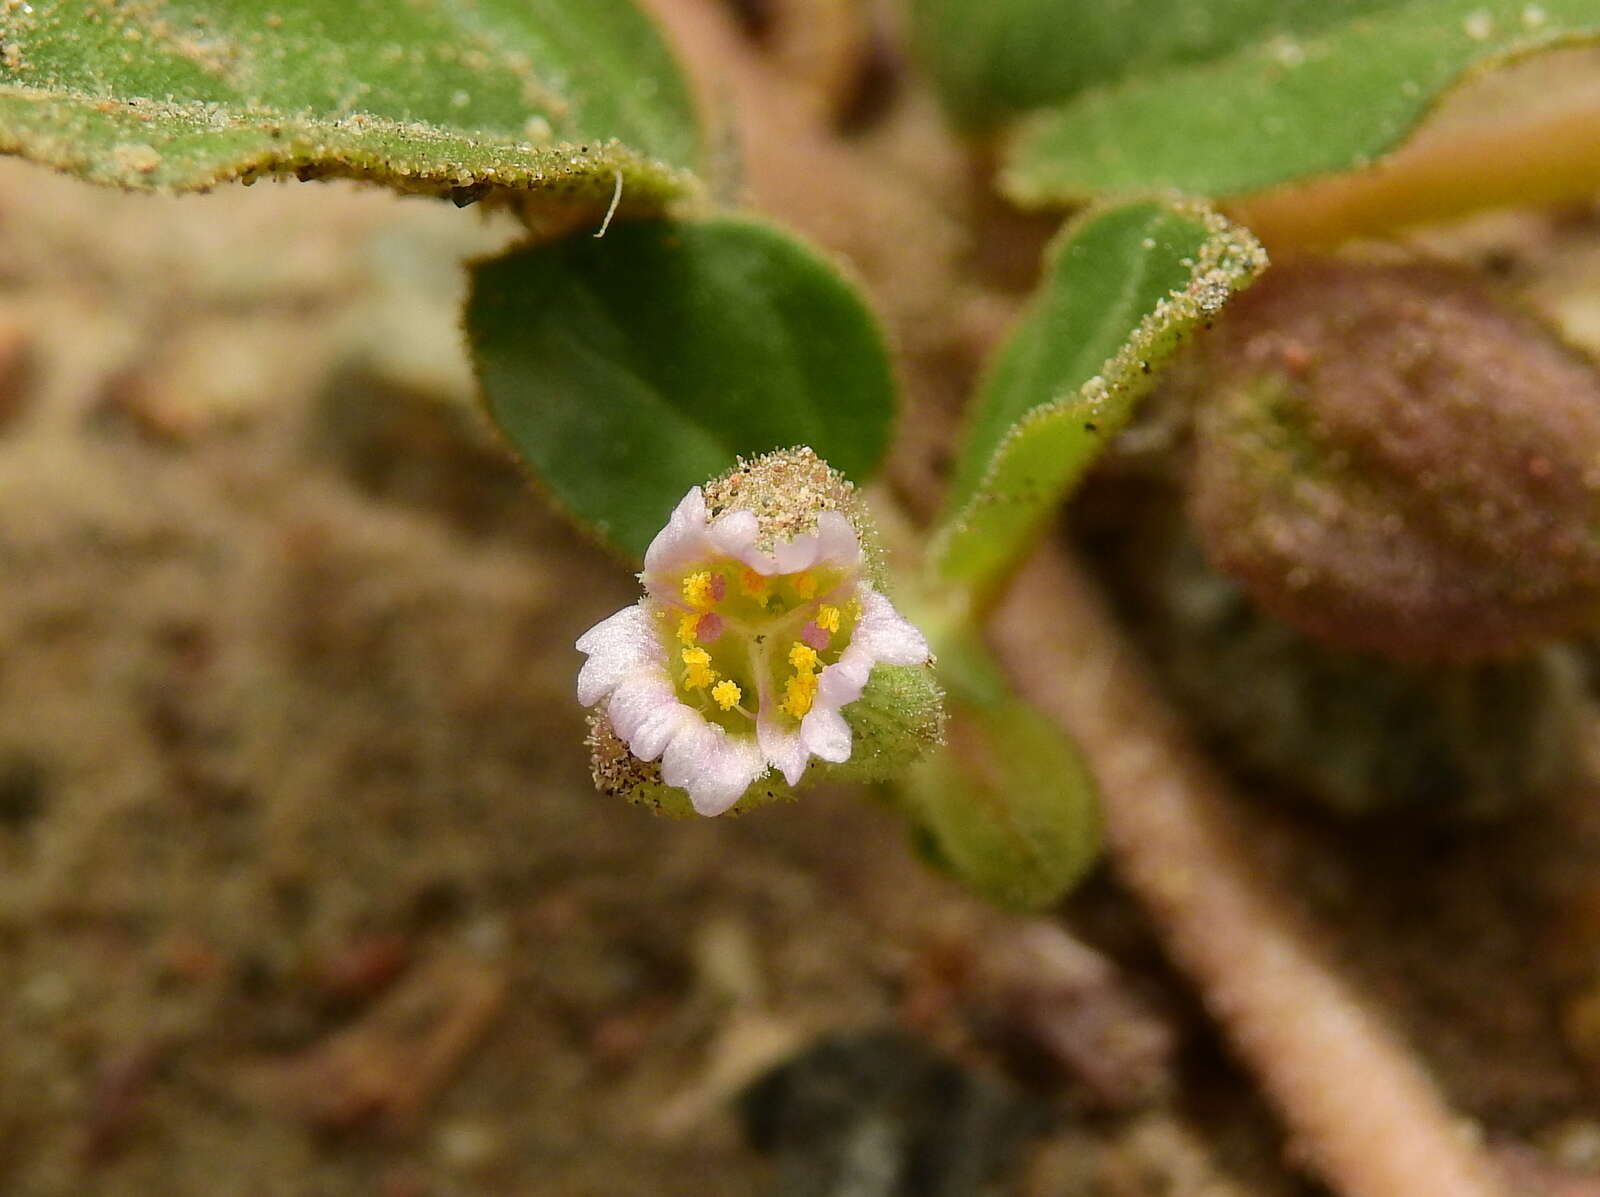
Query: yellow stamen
{"x": 697, "y": 590}
{"x": 727, "y": 694}
{"x": 804, "y": 585}
{"x": 687, "y": 627}
{"x": 799, "y": 694}
{"x": 828, "y": 618}
{"x": 697, "y": 674}
{"x": 754, "y": 585}
{"x": 802, "y": 656}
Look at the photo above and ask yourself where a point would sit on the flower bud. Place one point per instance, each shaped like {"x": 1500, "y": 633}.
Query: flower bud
{"x": 1356, "y": 733}
{"x": 764, "y": 643}
{"x": 1392, "y": 460}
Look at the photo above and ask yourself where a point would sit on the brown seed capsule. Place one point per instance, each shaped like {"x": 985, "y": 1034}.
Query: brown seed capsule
{"x": 1393, "y": 460}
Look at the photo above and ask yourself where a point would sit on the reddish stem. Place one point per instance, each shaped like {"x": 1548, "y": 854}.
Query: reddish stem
{"x": 1362, "y": 1113}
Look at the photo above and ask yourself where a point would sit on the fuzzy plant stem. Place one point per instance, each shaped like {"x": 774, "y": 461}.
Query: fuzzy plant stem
{"x": 1361, "y": 1112}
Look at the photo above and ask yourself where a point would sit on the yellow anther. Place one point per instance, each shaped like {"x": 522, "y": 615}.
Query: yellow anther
{"x": 828, "y": 618}
{"x": 687, "y": 628}
{"x": 697, "y": 674}
{"x": 804, "y": 585}
{"x": 754, "y": 585}
{"x": 727, "y": 694}
{"x": 803, "y": 657}
{"x": 697, "y": 589}
{"x": 799, "y": 694}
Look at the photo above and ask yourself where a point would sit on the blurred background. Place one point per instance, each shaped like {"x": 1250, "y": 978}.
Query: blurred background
{"x": 303, "y": 885}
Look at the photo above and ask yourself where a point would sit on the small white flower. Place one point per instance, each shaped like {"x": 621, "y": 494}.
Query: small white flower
{"x": 737, "y": 660}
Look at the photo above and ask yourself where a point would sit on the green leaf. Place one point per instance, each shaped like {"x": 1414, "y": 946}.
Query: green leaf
{"x": 995, "y": 60}
{"x": 1006, "y": 806}
{"x": 1123, "y": 286}
{"x": 625, "y": 370}
{"x": 1284, "y": 107}
{"x": 454, "y": 97}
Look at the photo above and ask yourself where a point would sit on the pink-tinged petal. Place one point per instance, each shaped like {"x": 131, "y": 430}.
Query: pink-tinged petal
{"x": 645, "y": 713}
{"x": 885, "y": 635}
{"x": 837, "y": 542}
{"x": 709, "y": 628}
{"x": 714, "y": 767}
{"x": 617, "y": 648}
{"x": 734, "y": 532}
{"x": 682, "y": 542}
{"x": 815, "y": 636}
{"x": 782, "y": 748}
{"x": 826, "y": 735}
{"x": 715, "y": 794}
{"x": 660, "y": 728}
{"x": 683, "y": 758}
{"x": 753, "y": 558}
{"x": 834, "y": 542}
{"x": 792, "y": 556}
{"x": 841, "y": 683}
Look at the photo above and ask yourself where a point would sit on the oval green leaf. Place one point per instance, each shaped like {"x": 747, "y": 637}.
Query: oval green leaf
{"x": 626, "y": 369}
{"x": 459, "y": 97}
{"x": 1284, "y": 107}
{"x": 1123, "y": 286}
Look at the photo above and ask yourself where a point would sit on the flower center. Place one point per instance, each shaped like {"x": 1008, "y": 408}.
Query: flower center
{"x": 740, "y": 642}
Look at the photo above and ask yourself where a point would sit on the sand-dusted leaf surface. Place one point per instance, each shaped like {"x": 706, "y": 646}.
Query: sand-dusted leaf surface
{"x": 996, "y": 60}
{"x": 1123, "y": 286}
{"x": 1329, "y": 90}
{"x": 457, "y": 97}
